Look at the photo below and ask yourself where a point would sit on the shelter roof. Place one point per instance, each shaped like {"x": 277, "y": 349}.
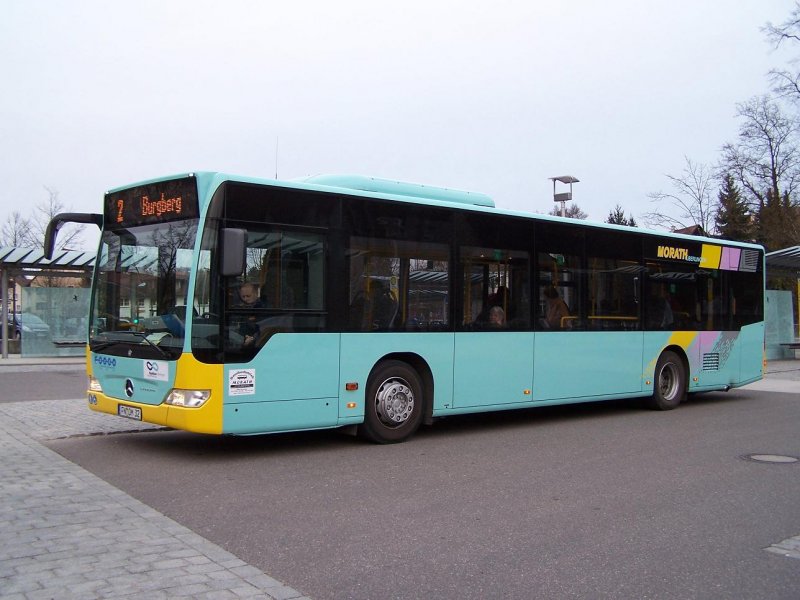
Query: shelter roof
{"x": 787, "y": 259}
{"x": 33, "y": 258}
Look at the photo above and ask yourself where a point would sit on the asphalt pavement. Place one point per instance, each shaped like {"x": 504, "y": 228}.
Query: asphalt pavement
{"x": 66, "y": 533}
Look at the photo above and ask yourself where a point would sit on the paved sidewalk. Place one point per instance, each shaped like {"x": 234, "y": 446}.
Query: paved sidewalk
{"x": 65, "y": 533}
{"x": 17, "y": 364}
{"x": 782, "y": 376}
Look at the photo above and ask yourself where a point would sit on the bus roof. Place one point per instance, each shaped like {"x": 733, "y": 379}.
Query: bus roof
{"x": 388, "y": 189}
{"x": 401, "y": 188}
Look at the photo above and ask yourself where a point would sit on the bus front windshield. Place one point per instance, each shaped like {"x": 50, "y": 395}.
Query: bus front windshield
{"x": 140, "y": 288}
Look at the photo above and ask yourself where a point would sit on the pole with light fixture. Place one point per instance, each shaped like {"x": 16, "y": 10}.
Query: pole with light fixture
{"x": 563, "y": 197}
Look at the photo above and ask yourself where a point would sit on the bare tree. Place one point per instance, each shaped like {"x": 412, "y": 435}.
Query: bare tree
{"x": 765, "y": 159}
{"x": 786, "y": 82}
{"x": 68, "y": 236}
{"x": 775, "y": 205}
{"x": 16, "y": 231}
{"x": 692, "y": 200}
{"x": 20, "y": 231}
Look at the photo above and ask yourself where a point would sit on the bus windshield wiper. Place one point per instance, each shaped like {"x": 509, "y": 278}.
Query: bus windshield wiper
{"x": 144, "y": 335}
{"x": 100, "y": 345}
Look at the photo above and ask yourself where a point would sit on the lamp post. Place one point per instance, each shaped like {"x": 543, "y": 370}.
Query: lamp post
{"x": 563, "y": 197}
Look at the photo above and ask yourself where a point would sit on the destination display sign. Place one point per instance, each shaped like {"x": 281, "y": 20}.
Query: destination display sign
{"x": 153, "y": 203}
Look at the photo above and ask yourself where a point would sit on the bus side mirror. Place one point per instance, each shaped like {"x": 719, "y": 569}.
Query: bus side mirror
{"x": 58, "y": 221}
{"x": 234, "y": 245}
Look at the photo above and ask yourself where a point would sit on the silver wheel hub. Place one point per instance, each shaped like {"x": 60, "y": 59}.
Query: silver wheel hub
{"x": 668, "y": 381}
{"x": 394, "y": 401}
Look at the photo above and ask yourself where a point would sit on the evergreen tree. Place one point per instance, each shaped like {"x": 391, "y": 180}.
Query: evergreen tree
{"x": 733, "y": 220}
{"x": 617, "y": 217}
{"x": 778, "y": 222}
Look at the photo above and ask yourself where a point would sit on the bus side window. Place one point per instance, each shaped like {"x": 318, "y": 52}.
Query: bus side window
{"x": 496, "y": 288}
{"x": 613, "y": 279}
{"x": 397, "y": 285}
{"x": 559, "y": 267}
{"x": 560, "y": 284}
{"x": 670, "y": 297}
{"x": 659, "y": 309}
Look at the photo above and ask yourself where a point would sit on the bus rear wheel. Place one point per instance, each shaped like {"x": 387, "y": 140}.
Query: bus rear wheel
{"x": 394, "y": 403}
{"x": 669, "y": 382}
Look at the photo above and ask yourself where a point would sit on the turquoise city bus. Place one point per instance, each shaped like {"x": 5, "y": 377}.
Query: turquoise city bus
{"x": 378, "y": 305}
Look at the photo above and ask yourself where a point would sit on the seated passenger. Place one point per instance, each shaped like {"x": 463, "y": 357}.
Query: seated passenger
{"x": 659, "y": 312}
{"x": 249, "y": 328}
{"x": 557, "y": 309}
{"x": 497, "y": 318}
{"x": 383, "y": 306}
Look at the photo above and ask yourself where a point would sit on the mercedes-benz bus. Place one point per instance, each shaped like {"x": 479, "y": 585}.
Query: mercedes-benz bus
{"x": 378, "y": 306}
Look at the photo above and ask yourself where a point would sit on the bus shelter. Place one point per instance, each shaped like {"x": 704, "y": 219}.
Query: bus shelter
{"x": 782, "y": 311}
{"x": 44, "y": 301}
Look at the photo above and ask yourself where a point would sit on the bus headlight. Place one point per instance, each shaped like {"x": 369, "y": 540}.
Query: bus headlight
{"x": 188, "y": 398}
{"x": 94, "y": 385}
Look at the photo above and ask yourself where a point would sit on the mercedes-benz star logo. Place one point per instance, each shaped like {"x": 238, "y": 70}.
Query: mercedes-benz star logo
{"x": 129, "y": 388}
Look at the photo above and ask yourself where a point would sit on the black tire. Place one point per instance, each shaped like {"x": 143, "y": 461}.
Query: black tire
{"x": 669, "y": 382}
{"x": 393, "y": 403}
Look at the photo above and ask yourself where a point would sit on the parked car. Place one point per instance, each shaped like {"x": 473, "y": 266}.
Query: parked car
{"x": 29, "y": 325}
{"x": 75, "y": 327}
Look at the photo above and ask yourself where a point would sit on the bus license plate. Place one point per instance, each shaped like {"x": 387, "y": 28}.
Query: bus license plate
{"x": 129, "y": 412}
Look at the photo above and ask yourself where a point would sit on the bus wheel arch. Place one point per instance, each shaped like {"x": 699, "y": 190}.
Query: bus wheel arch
{"x": 396, "y": 399}
{"x": 670, "y": 379}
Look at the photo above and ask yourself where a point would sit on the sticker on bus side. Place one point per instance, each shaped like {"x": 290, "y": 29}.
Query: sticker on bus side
{"x": 242, "y": 382}
{"x": 156, "y": 369}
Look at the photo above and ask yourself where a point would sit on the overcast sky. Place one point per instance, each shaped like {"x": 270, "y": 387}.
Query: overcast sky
{"x": 493, "y": 97}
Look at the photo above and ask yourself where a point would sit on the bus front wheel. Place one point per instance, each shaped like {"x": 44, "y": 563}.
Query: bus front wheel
{"x": 669, "y": 383}
{"x": 394, "y": 403}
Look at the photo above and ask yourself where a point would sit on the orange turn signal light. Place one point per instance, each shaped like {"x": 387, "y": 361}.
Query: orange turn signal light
{"x": 351, "y": 405}
{"x": 351, "y": 387}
